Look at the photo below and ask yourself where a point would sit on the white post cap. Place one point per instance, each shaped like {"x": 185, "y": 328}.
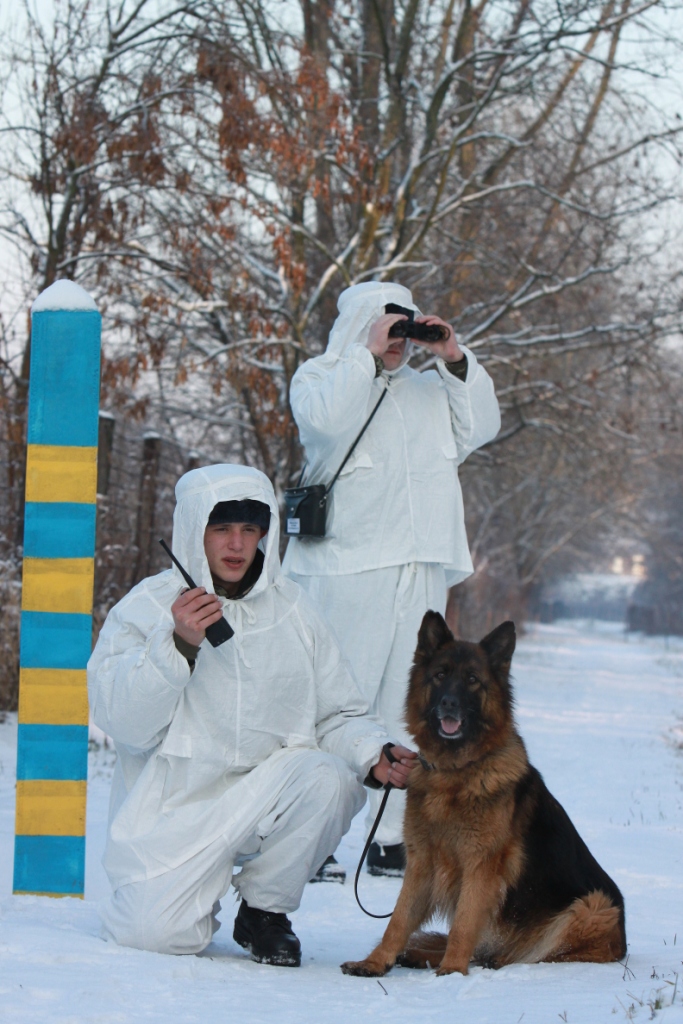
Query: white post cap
{"x": 66, "y": 295}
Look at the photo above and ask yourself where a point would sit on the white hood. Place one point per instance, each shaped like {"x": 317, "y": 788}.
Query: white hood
{"x": 196, "y": 494}
{"x": 359, "y": 307}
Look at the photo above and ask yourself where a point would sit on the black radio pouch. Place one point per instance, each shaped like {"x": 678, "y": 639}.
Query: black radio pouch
{"x": 306, "y": 507}
{"x": 305, "y": 510}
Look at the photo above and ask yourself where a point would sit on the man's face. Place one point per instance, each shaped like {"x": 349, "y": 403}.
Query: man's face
{"x": 230, "y": 549}
{"x": 394, "y": 354}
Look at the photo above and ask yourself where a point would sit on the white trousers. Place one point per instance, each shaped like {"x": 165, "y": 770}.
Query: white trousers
{"x": 175, "y": 912}
{"x": 376, "y": 616}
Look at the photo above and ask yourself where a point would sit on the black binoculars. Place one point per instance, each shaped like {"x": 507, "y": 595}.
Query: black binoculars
{"x": 410, "y": 329}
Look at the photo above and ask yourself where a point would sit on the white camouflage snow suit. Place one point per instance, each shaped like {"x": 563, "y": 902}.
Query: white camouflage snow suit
{"x": 254, "y": 757}
{"x": 396, "y": 535}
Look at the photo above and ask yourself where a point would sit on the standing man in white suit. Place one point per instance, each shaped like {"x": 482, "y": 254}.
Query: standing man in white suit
{"x": 395, "y": 536}
{"x": 251, "y": 753}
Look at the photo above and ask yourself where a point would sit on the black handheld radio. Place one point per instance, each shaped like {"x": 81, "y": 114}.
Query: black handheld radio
{"x": 218, "y": 632}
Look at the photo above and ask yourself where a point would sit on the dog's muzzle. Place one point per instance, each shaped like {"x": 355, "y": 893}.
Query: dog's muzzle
{"x": 449, "y": 717}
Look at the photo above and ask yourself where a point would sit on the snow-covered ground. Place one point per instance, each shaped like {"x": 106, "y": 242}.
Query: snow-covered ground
{"x": 602, "y": 717}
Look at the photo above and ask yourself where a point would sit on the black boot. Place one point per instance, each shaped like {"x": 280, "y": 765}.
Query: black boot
{"x": 331, "y": 871}
{"x": 268, "y": 937}
{"x": 387, "y": 860}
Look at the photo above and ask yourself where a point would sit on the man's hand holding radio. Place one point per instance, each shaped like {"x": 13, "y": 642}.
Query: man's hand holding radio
{"x": 192, "y": 612}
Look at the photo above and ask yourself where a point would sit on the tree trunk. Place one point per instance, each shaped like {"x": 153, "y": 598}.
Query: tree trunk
{"x": 144, "y": 531}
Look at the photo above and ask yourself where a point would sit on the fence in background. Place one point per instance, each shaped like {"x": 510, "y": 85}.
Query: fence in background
{"x": 137, "y": 473}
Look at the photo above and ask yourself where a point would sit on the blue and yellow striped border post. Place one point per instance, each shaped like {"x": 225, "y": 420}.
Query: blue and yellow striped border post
{"x": 57, "y": 592}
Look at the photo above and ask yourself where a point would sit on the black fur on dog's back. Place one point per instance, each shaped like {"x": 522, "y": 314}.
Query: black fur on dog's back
{"x": 558, "y": 866}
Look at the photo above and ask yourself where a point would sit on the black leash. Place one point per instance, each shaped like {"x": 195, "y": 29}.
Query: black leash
{"x": 387, "y": 790}
{"x": 353, "y": 446}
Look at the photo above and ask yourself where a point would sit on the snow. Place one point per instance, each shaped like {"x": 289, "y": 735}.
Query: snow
{"x": 601, "y": 713}
{"x": 63, "y": 294}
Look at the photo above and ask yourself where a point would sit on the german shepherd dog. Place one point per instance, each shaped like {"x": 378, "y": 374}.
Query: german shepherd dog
{"x": 487, "y": 845}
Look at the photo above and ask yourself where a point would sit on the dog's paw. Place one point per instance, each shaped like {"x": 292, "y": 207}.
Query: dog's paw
{"x": 489, "y": 963}
{"x": 445, "y": 969}
{"x": 365, "y": 968}
{"x": 410, "y": 959}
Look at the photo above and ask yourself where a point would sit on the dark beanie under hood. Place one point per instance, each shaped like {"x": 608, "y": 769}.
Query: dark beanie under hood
{"x": 246, "y": 511}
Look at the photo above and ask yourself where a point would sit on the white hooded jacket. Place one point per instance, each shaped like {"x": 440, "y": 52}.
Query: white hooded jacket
{"x": 398, "y": 498}
{"x": 199, "y": 750}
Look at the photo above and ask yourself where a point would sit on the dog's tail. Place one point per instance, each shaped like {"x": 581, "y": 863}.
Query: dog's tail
{"x": 424, "y": 949}
{"x": 591, "y": 929}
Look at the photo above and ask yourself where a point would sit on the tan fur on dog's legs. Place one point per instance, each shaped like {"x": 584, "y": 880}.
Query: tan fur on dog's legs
{"x": 479, "y": 894}
{"x": 424, "y": 950}
{"x": 413, "y": 907}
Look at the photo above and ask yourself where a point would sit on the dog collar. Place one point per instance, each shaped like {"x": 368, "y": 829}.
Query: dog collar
{"x": 427, "y": 765}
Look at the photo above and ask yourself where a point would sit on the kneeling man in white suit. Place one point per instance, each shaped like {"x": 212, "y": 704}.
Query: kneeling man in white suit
{"x": 252, "y": 753}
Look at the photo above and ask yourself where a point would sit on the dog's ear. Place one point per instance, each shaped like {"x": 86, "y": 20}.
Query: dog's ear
{"x": 434, "y": 633}
{"x": 499, "y": 646}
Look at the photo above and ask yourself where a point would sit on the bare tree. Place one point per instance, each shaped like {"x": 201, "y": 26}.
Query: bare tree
{"x": 80, "y": 145}
{"x": 492, "y": 159}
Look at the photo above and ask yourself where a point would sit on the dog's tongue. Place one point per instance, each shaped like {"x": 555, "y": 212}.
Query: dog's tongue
{"x": 450, "y": 725}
